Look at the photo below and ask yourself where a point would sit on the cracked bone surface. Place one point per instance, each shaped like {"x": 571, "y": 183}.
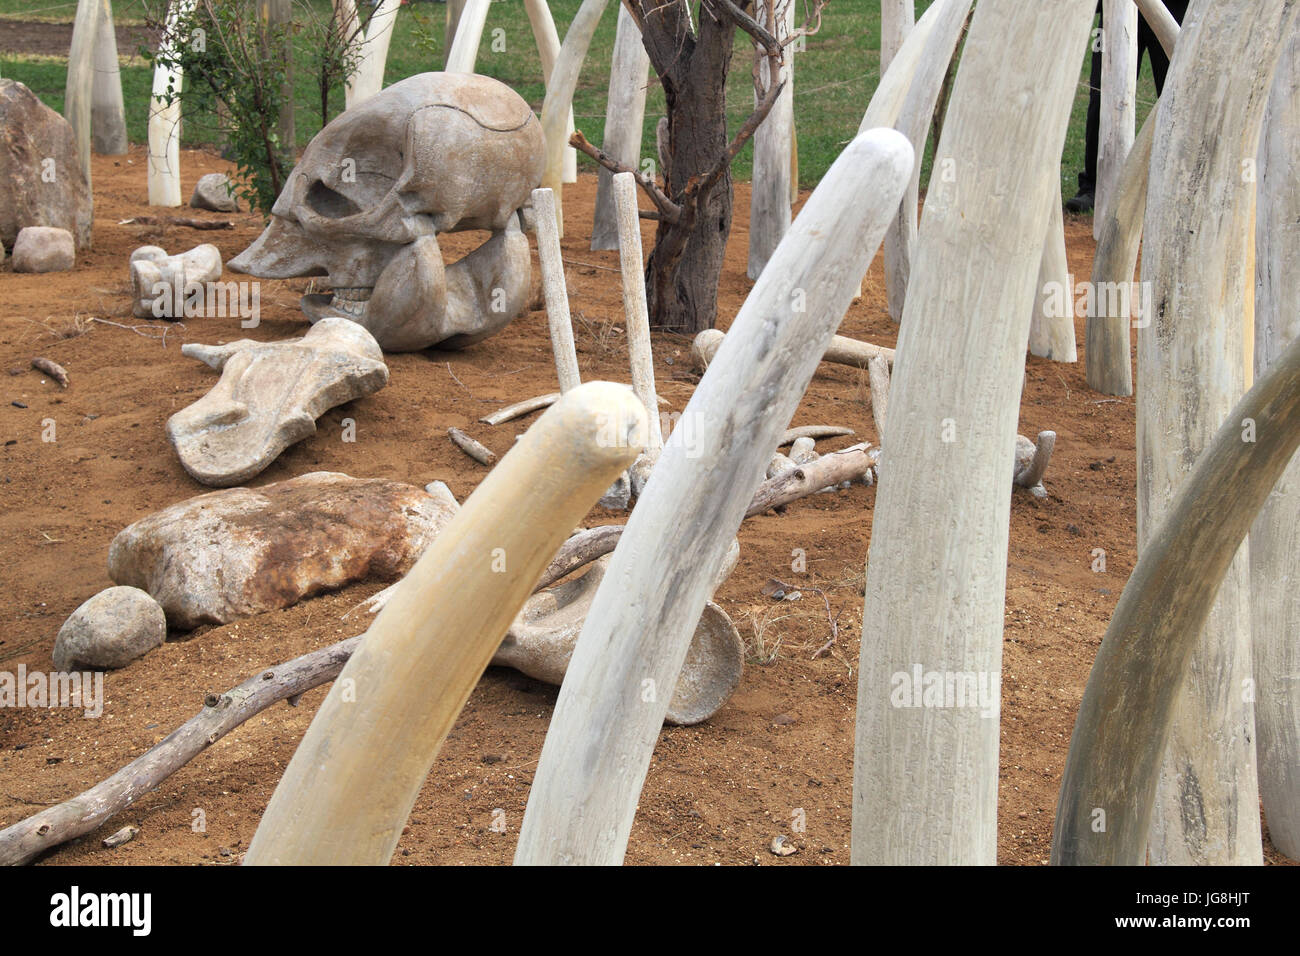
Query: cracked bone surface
{"x": 157, "y": 278}
{"x": 269, "y": 396}
{"x": 434, "y": 153}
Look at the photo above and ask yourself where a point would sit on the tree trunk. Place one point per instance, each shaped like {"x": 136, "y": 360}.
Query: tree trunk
{"x": 684, "y": 266}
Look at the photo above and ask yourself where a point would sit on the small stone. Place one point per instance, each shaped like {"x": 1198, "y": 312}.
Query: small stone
{"x": 490, "y": 759}
{"x": 212, "y": 192}
{"x": 44, "y": 249}
{"x": 782, "y": 720}
{"x": 124, "y": 835}
{"x": 110, "y": 630}
{"x": 17, "y": 404}
{"x": 781, "y": 846}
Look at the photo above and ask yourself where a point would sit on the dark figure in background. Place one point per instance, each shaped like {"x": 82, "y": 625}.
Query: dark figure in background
{"x": 1148, "y": 44}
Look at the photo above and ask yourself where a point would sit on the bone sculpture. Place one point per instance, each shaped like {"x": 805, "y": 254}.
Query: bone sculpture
{"x": 547, "y": 39}
{"x": 269, "y": 396}
{"x": 158, "y": 280}
{"x": 371, "y": 49}
{"x": 1130, "y": 703}
{"x": 437, "y": 152}
{"x": 897, "y": 17}
{"x": 352, "y": 782}
{"x": 925, "y": 780}
{"x": 639, "y": 628}
{"x": 554, "y": 290}
{"x": 1275, "y": 536}
{"x": 1118, "y": 116}
{"x": 1190, "y": 375}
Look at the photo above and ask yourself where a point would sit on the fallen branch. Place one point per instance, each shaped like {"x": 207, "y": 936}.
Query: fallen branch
{"x": 842, "y": 350}
{"x": 850, "y": 464}
{"x": 220, "y": 714}
{"x": 520, "y": 409}
{"x": 185, "y": 221}
{"x": 141, "y": 330}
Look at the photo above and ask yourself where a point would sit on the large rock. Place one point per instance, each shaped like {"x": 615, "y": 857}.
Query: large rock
{"x": 44, "y": 249}
{"x": 110, "y": 630}
{"x": 212, "y": 192}
{"x": 269, "y": 396}
{"x": 229, "y": 554}
{"x": 41, "y": 182}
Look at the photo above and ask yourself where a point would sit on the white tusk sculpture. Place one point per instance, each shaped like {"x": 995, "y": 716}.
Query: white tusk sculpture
{"x": 350, "y": 786}
{"x": 165, "y": 119}
{"x": 1108, "y": 790}
{"x": 769, "y": 198}
{"x": 641, "y": 358}
{"x": 896, "y": 81}
{"x": 80, "y": 80}
{"x": 463, "y": 52}
{"x": 1051, "y": 328}
{"x": 925, "y": 779}
{"x": 107, "y": 112}
{"x": 1108, "y": 364}
{"x": 1275, "y": 536}
{"x": 914, "y": 118}
{"x": 897, "y": 17}
{"x": 624, "y": 118}
{"x": 1190, "y": 375}
{"x": 558, "y": 105}
{"x": 548, "y": 48}
{"x": 615, "y": 695}
{"x": 368, "y": 78}
{"x": 554, "y": 291}
{"x": 1118, "y": 117}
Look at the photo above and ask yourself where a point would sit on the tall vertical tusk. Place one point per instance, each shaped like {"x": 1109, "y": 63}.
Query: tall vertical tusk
{"x": 352, "y": 782}
{"x": 554, "y": 290}
{"x": 624, "y": 118}
{"x": 463, "y": 52}
{"x": 615, "y": 694}
{"x": 925, "y": 779}
{"x": 632, "y": 267}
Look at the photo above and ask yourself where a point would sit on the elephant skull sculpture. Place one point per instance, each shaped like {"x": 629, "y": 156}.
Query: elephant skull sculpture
{"x": 435, "y": 153}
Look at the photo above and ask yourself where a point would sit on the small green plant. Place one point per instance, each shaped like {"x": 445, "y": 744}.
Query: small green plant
{"x": 236, "y": 58}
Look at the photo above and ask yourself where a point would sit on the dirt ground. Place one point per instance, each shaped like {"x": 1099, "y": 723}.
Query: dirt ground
{"x": 716, "y": 793}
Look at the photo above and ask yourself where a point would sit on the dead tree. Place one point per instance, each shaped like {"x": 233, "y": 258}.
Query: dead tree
{"x": 693, "y": 197}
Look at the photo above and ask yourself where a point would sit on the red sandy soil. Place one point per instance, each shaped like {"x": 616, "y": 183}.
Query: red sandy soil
{"x": 718, "y": 792}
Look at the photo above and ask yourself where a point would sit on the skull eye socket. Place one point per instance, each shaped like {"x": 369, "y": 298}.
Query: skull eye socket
{"x": 326, "y": 202}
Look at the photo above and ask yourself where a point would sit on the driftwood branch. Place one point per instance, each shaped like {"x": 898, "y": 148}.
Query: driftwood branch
{"x": 469, "y": 446}
{"x": 668, "y": 210}
{"x": 185, "y": 221}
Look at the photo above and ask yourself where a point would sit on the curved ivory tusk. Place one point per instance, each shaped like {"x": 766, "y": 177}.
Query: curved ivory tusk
{"x": 815, "y": 432}
{"x": 914, "y": 119}
{"x": 925, "y": 779}
{"x": 878, "y": 377}
{"x": 1118, "y": 113}
{"x": 80, "y": 80}
{"x": 107, "y": 112}
{"x": 354, "y": 778}
{"x": 1129, "y": 704}
{"x": 1051, "y": 325}
{"x": 614, "y": 698}
{"x": 1275, "y": 536}
{"x": 624, "y": 119}
{"x": 1031, "y": 475}
{"x": 559, "y": 97}
{"x": 1190, "y": 375}
{"x": 463, "y": 53}
{"x": 368, "y": 78}
{"x": 548, "y": 48}
{"x": 1161, "y": 22}
{"x": 554, "y": 290}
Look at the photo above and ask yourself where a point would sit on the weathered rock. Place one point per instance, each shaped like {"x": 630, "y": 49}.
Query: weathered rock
{"x": 269, "y": 396}
{"x": 110, "y": 630}
{"x": 157, "y": 279}
{"x": 434, "y": 153}
{"x": 211, "y": 192}
{"x": 44, "y": 249}
{"x": 41, "y": 182}
{"x": 229, "y": 554}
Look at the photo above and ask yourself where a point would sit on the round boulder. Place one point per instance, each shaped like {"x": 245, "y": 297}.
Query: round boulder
{"x": 44, "y": 249}
{"x": 110, "y": 630}
{"x": 212, "y": 191}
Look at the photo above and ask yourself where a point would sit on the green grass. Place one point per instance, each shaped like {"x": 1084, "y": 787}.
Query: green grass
{"x": 834, "y": 77}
